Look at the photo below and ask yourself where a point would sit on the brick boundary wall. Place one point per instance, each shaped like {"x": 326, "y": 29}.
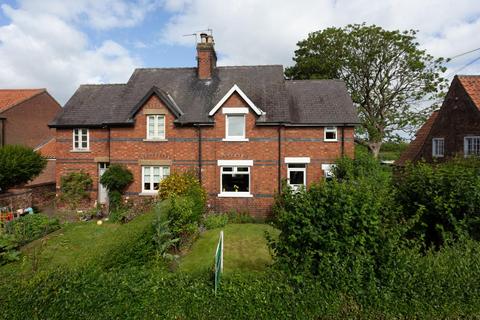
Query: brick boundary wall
{"x": 16, "y": 199}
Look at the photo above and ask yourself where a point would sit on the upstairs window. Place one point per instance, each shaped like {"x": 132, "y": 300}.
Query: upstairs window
{"x": 330, "y": 134}
{"x": 80, "y": 140}
{"x": 235, "y": 127}
{"x": 472, "y": 145}
{"x": 151, "y": 177}
{"x": 438, "y": 147}
{"x": 155, "y": 127}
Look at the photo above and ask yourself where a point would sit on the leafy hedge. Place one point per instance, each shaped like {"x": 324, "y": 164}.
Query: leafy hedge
{"x": 442, "y": 284}
{"x": 30, "y": 227}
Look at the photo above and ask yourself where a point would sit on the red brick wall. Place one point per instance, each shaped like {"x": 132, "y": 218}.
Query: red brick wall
{"x": 127, "y": 146}
{"x": 27, "y": 123}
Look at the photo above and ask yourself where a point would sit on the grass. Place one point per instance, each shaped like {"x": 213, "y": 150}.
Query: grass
{"x": 74, "y": 245}
{"x": 245, "y": 249}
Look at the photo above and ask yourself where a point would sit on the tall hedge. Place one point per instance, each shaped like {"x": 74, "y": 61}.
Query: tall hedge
{"x": 18, "y": 165}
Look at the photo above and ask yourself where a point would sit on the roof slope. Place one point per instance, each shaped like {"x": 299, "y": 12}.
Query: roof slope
{"x": 12, "y": 97}
{"x": 414, "y": 148}
{"x": 472, "y": 87}
{"x": 47, "y": 149}
{"x": 301, "y": 102}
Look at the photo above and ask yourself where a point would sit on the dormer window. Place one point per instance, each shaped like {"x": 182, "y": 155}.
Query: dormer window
{"x": 80, "y": 140}
{"x": 156, "y": 127}
{"x": 235, "y": 124}
{"x": 330, "y": 134}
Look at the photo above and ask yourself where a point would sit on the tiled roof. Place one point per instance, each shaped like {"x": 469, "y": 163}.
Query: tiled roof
{"x": 296, "y": 102}
{"x": 472, "y": 87}
{"x": 11, "y": 97}
{"x": 47, "y": 149}
{"x": 414, "y": 148}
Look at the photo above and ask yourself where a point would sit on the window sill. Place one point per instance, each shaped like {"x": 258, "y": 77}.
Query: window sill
{"x": 437, "y": 156}
{"x": 148, "y": 193}
{"x": 155, "y": 140}
{"x": 235, "y": 195}
{"x": 80, "y": 151}
{"x": 328, "y": 140}
{"x": 235, "y": 139}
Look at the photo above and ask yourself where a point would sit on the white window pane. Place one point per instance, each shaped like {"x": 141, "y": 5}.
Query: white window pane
{"x": 166, "y": 171}
{"x": 236, "y": 126}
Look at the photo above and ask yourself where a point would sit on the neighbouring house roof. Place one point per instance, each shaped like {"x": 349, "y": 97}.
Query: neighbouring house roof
{"x": 471, "y": 84}
{"x": 415, "y": 147}
{"x": 12, "y": 97}
{"x": 307, "y": 102}
{"x": 47, "y": 149}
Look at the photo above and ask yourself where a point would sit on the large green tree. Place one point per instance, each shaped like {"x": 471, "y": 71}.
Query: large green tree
{"x": 18, "y": 165}
{"x": 389, "y": 78}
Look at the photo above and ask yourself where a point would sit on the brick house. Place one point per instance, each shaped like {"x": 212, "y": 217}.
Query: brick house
{"x": 241, "y": 128}
{"x": 454, "y": 129}
{"x": 24, "y": 118}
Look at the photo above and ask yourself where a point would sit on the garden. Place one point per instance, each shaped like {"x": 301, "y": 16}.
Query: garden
{"x": 370, "y": 243}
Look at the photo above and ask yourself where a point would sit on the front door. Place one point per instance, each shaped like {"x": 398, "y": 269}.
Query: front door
{"x": 102, "y": 191}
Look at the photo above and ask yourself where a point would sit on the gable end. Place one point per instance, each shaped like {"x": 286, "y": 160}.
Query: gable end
{"x": 236, "y": 89}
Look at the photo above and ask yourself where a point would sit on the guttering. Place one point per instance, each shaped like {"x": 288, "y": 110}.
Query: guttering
{"x": 290, "y": 124}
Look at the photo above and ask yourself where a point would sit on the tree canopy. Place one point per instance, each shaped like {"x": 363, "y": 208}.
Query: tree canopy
{"x": 386, "y": 73}
{"x": 18, "y": 165}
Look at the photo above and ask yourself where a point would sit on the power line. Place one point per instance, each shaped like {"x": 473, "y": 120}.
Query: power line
{"x": 464, "y": 53}
{"x": 464, "y": 66}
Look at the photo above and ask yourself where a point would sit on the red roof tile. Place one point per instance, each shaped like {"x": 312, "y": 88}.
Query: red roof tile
{"x": 472, "y": 86}
{"x": 416, "y": 145}
{"x": 12, "y": 97}
{"x": 47, "y": 149}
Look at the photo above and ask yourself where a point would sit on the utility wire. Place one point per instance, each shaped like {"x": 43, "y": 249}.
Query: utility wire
{"x": 464, "y": 53}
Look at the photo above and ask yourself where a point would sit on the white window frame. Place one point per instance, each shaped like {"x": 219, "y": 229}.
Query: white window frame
{"x": 156, "y": 122}
{"x": 304, "y": 170}
{"x": 80, "y": 135}
{"x": 436, "y": 142}
{"x": 235, "y": 164}
{"x": 328, "y": 130}
{"x": 327, "y": 170}
{"x": 465, "y": 145}
{"x": 228, "y": 137}
{"x": 162, "y": 176}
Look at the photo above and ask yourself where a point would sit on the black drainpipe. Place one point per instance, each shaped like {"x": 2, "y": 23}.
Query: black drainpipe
{"x": 279, "y": 160}
{"x": 343, "y": 140}
{"x": 200, "y": 154}
{"x": 2, "y": 142}
{"x": 109, "y": 144}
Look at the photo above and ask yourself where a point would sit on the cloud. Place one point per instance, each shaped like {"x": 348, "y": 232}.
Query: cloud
{"x": 43, "y": 45}
{"x": 259, "y": 32}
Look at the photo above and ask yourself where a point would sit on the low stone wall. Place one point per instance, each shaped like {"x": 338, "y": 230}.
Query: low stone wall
{"x": 16, "y": 199}
{"x": 43, "y": 194}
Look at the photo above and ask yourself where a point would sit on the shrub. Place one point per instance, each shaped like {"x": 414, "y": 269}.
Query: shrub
{"x": 30, "y": 227}
{"x": 74, "y": 187}
{"x": 182, "y": 184}
{"x": 18, "y": 165}
{"x": 8, "y": 249}
{"x": 116, "y": 178}
{"x": 445, "y": 197}
{"x": 213, "y": 221}
{"x": 240, "y": 217}
{"x": 184, "y": 217}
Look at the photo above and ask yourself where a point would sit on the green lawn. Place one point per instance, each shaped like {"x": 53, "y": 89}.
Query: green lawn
{"x": 75, "y": 244}
{"x": 80, "y": 243}
{"x": 245, "y": 249}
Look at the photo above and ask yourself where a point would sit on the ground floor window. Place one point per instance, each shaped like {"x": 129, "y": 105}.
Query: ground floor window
{"x": 297, "y": 175}
{"x": 151, "y": 177}
{"x": 328, "y": 170}
{"x": 472, "y": 146}
{"x": 235, "y": 179}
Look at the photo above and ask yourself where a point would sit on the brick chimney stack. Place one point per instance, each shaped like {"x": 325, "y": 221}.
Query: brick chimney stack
{"x": 206, "y": 57}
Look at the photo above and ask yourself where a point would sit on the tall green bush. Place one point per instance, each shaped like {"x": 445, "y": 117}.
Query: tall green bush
{"x": 116, "y": 178}
{"x": 444, "y": 196}
{"x": 18, "y": 165}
